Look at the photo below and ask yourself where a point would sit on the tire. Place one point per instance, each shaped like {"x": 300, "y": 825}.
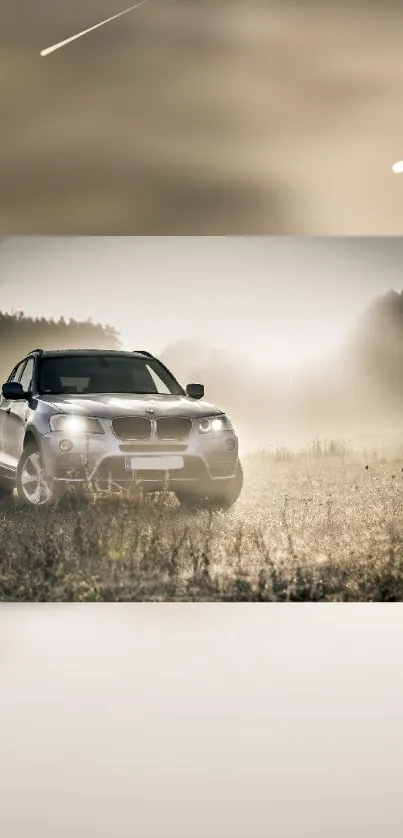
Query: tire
{"x": 33, "y": 487}
{"x": 222, "y": 497}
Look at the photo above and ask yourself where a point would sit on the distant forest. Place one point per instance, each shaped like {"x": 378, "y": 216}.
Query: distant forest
{"x": 20, "y": 334}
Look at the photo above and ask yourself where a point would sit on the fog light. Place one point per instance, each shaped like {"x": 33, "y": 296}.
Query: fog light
{"x": 65, "y": 445}
{"x": 230, "y": 444}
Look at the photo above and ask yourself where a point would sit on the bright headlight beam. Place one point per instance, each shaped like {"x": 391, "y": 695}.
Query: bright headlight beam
{"x": 64, "y": 43}
{"x": 71, "y": 425}
{"x": 397, "y": 167}
{"x": 217, "y": 424}
{"x": 74, "y": 424}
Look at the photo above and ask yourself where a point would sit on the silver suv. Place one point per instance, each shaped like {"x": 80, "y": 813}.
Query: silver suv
{"x": 111, "y": 419}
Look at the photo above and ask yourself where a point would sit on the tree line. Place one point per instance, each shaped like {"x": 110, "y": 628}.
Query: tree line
{"x": 20, "y": 334}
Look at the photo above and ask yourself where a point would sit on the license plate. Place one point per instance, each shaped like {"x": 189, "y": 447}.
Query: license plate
{"x": 153, "y": 463}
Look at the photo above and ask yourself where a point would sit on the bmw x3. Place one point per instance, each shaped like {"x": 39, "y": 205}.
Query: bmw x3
{"x": 111, "y": 420}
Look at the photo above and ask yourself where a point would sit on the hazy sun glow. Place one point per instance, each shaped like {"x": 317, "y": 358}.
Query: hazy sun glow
{"x": 292, "y": 353}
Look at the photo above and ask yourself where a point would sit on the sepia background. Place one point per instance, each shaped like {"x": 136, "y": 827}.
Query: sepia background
{"x": 202, "y": 118}
{"x": 200, "y": 721}
{"x": 198, "y": 117}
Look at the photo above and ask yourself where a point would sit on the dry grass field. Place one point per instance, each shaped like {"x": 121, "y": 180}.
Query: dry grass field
{"x": 307, "y": 528}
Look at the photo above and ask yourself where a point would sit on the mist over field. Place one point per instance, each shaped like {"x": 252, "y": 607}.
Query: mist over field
{"x": 197, "y": 117}
{"x": 356, "y": 391}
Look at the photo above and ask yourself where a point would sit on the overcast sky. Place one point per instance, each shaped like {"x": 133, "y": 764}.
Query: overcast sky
{"x": 215, "y": 721}
{"x": 285, "y": 298}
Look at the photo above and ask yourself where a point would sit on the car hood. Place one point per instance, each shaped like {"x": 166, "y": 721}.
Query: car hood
{"x": 128, "y": 404}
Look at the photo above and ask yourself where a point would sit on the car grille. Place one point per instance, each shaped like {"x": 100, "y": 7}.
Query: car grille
{"x": 173, "y": 427}
{"x": 132, "y": 427}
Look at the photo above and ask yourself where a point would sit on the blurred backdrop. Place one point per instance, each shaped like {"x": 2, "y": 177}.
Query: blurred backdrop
{"x": 175, "y": 721}
{"x": 201, "y": 117}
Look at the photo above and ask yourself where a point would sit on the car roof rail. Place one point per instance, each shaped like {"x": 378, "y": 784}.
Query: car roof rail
{"x": 144, "y": 352}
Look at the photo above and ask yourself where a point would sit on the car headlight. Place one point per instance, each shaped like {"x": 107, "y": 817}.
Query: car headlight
{"x": 75, "y": 425}
{"x": 211, "y": 424}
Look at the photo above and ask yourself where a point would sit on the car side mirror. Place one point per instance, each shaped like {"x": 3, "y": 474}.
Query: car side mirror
{"x": 13, "y": 390}
{"x": 195, "y": 391}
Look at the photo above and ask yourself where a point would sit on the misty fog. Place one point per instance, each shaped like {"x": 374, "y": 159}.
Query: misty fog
{"x": 354, "y": 392}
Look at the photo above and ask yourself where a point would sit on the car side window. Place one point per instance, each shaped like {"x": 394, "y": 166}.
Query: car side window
{"x": 15, "y": 375}
{"x": 26, "y": 377}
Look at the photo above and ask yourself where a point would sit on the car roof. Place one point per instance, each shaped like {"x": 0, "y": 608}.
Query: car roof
{"x": 56, "y": 353}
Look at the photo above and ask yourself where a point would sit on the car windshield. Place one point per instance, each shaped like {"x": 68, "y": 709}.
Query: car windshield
{"x": 81, "y": 374}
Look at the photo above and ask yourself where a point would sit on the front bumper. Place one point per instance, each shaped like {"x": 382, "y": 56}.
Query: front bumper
{"x": 101, "y": 461}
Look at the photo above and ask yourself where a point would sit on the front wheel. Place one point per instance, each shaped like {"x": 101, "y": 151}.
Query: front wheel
{"x": 33, "y": 486}
{"x": 221, "y": 496}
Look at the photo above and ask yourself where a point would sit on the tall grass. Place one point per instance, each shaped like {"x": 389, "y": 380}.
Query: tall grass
{"x": 308, "y": 527}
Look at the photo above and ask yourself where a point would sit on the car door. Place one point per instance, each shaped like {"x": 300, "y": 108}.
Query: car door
{"x": 15, "y": 416}
{"x": 5, "y": 407}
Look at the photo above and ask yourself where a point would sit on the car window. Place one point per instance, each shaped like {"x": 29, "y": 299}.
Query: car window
{"x": 11, "y": 376}
{"x": 73, "y": 385}
{"x": 16, "y": 373}
{"x": 26, "y": 377}
{"x": 160, "y": 385}
{"x": 104, "y": 374}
